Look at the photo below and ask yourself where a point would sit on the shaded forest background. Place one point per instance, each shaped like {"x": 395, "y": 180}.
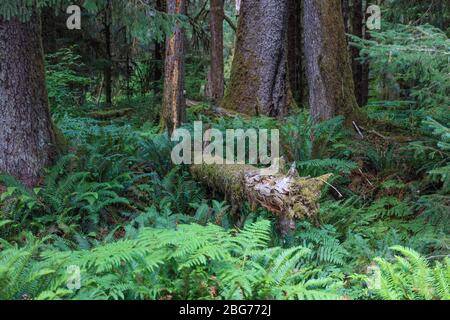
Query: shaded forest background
{"x": 87, "y": 178}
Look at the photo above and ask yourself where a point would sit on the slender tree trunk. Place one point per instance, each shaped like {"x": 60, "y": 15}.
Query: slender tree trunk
{"x": 258, "y": 83}
{"x": 27, "y": 139}
{"x": 357, "y": 67}
{"x": 108, "y": 66}
{"x": 346, "y": 13}
{"x": 158, "y": 57}
{"x": 217, "y": 65}
{"x": 158, "y": 63}
{"x": 364, "y": 87}
{"x": 330, "y": 80}
{"x": 174, "y": 111}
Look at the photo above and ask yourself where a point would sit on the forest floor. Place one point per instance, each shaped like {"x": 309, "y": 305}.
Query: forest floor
{"x": 119, "y": 178}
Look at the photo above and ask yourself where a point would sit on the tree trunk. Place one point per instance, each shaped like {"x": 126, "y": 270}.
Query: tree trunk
{"x": 357, "y": 67}
{"x": 364, "y": 87}
{"x": 258, "y": 83}
{"x": 158, "y": 57}
{"x": 108, "y": 67}
{"x": 27, "y": 139}
{"x": 346, "y": 13}
{"x": 217, "y": 65}
{"x": 174, "y": 111}
{"x": 295, "y": 51}
{"x": 49, "y": 34}
{"x": 330, "y": 80}
{"x": 287, "y": 196}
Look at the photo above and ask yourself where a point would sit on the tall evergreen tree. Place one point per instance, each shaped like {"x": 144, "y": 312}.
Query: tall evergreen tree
{"x": 330, "y": 80}
{"x": 27, "y": 139}
{"x": 258, "y": 83}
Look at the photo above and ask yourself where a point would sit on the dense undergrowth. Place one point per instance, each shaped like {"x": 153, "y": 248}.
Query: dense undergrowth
{"x": 139, "y": 227}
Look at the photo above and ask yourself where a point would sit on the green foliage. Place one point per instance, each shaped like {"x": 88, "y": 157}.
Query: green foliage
{"x": 65, "y": 84}
{"x": 410, "y": 277}
{"x": 433, "y": 154}
{"x": 413, "y": 61}
{"x": 65, "y": 199}
{"x": 23, "y": 9}
{"x": 164, "y": 262}
{"x": 318, "y": 156}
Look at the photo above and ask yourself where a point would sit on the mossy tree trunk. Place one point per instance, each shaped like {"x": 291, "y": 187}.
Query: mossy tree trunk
{"x": 259, "y": 83}
{"x": 216, "y": 72}
{"x": 27, "y": 138}
{"x": 286, "y": 195}
{"x": 295, "y": 52}
{"x": 329, "y": 72}
{"x": 174, "y": 109}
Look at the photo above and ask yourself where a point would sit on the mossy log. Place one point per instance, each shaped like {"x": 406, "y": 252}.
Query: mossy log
{"x": 288, "y": 196}
{"x": 110, "y": 114}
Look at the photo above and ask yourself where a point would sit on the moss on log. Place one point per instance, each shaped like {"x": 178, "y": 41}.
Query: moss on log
{"x": 288, "y": 196}
{"x": 110, "y": 114}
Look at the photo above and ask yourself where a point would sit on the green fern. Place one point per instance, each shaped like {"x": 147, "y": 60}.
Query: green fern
{"x": 411, "y": 277}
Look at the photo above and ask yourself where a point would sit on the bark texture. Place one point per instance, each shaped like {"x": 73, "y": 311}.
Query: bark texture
{"x": 216, "y": 75}
{"x": 174, "y": 111}
{"x": 27, "y": 139}
{"x": 330, "y": 79}
{"x": 295, "y": 52}
{"x": 360, "y": 73}
{"x": 258, "y": 83}
{"x": 288, "y": 196}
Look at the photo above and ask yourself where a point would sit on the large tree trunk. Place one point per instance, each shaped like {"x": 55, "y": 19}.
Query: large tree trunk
{"x": 330, "y": 79}
{"x": 174, "y": 109}
{"x": 295, "y": 51}
{"x": 259, "y": 82}
{"x": 216, "y": 76}
{"x": 27, "y": 140}
{"x": 287, "y": 196}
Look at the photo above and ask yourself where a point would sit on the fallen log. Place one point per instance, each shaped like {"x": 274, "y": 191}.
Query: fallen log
{"x": 110, "y": 114}
{"x": 287, "y": 196}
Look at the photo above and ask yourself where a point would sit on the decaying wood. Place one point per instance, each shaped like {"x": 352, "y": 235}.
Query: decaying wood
{"x": 110, "y": 114}
{"x": 288, "y": 196}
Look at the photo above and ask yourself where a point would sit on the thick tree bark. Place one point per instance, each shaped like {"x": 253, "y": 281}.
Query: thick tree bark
{"x": 259, "y": 83}
{"x": 295, "y": 51}
{"x": 27, "y": 139}
{"x": 287, "y": 196}
{"x": 216, "y": 76}
{"x": 174, "y": 110}
{"x": 330, "y": 79}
